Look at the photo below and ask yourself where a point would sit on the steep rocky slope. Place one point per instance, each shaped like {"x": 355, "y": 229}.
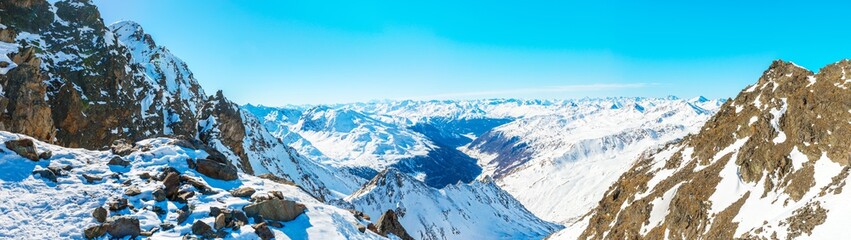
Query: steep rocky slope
{"x": 68, "y": 79}
{"x": 478, "y": 210}
{"x": 771, "y": 164}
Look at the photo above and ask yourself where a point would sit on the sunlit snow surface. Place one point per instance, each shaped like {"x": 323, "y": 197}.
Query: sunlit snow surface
{"x": 35, "y": 208}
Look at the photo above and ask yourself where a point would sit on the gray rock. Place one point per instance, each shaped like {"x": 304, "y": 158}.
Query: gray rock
{"x": 123, "y": 226}
{"x": 118, "y": 161}
{"x": 217, "y": 170}
{"x": 275, "y": 209}
{"x": 100, "y": 214}
{"x": 24, "y": 147}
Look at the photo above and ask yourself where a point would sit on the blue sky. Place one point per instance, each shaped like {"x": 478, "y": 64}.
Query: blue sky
{"x": 297, "y": 52}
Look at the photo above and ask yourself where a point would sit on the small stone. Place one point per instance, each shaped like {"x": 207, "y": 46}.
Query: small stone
{"x": 149, "y": 232}
{"x": 220, "y": 221}
{"x": 45, "y": 155}
{"x": 243, "y": 192}
{"x": 190, "y": 163}
{"x": 361, "y": 228}
{"x": 57, "y": 170}
{"x": 183, "y": 213}
{"x": 117, "y": 204}
{"x": 127, "y": 182}
{"x": 121, "y": 147}
{"x": 46, "y": 174}
{"x": 132, "y": 191}
{"x": 145, "y": 175}
{"x": 158, "y": 194}
{"x": 91, "y": 178}
{"x": 203, "y": 188}
{"x": 100, "y": 214}
{"x": 184, "y": 196}
{"x": 215, "y": 211}
{"x": 118, "y": 161}
{"x": 263, "y": 231}
{"x": 202, "y": 229}
{"x": 159, "y": 210}
{"x": 95, "y": 231}
{"x": 166, "y": 226}
{"x": 239, "y": 219}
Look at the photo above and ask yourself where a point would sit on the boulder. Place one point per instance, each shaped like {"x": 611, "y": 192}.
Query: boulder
{"x": 221, "y": 221}
{"x": 132, "y": 191}
{"x": 94, "y": 231}
{"x": 45, "y": 155}
{"x": 216, "y": 169}
{"x": 123, "y": 226}
{"x": 202, "y": 187}
{"x": 24, "y": 147}
{"x": 361, "y": 228}
{"x": 91, "y": 178}
{"x": 183, "y": 213}
{"x": 118, "y": 161}
{"x": 388, "y": 223}
{"x": 117, "y": 204}
{"x": 202, "y": 229}
{"x": 171, "y": 182}
{"x": 58, "y": 170}
{"x": 263, "y": 231}
{"x": 243, "y": 192}
{"x": 100, "y": 214}
{"x": 46, "y": 174}
{"x": 275, "y": 209}
{"x": 121, "y": 147}
{"x": 158, "y": 194}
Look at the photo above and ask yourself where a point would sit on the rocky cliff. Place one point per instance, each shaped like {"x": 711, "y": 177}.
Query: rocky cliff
{"x": 770, "y": 165}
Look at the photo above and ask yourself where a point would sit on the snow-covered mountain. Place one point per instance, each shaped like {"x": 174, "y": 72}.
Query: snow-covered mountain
{"x": 478, "y": 210}
{"x": 533, "y": 148}
{"x": 770, "y": 165}
{"x": 559, "y": 165}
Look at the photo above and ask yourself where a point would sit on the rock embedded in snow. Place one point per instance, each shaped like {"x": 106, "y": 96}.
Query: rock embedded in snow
{"x": 100, "y": 214}
{"x": 216, "y": 169}
{"x": 171, "y": 184}
{"x": 24, "y": 147}
{"x": 275, "y": 209}
{"x": 117, "y": 204}
{"x": 123, "y": 226}
{"x": 118, "y": 161}
{"x": 243, "y": 192}
{"x": 202, "y": 229}
{"x": 263, "y": 231}
{"x": 46, "y": 174}
{"x": 388, "y": 224}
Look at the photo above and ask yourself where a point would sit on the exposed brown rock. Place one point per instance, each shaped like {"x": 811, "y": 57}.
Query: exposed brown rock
{"x": 24, "y": 147}
{"x": 243, "y": 192}
{"x": 100, "y": 214}
{"x": 171, "y": 184}
{"x": 132, "y": 191}
{"x": 216, "y": 169}
{"x": 275, "y": 209}
{"x": 118, "y": 161}
{"x": 94, "y": 231}
{"x": 117, "y": 204}
{"x": 388, "y": 223}
{"x": 92, "y": 178}
{"x": 202, "y": 229}
{"x": 123, "y": 226}
{"x": 263, "y": 231}
{"x": 46, "y": 174}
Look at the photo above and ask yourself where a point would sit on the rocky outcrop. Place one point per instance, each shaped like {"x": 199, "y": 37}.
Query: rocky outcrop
{"x": 388, "y": 224}
{"x": 274, "y": 207}
{"x": 781, "y": 144}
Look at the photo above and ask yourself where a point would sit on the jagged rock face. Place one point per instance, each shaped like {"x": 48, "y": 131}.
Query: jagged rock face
{"x": 75, "y": 84}
{"x": 771, "y": 164}
{"x": 229, "y": 127}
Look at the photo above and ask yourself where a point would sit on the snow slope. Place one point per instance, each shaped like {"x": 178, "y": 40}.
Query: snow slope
{"x": 37, "y": 208}
{"x": 559, "y": 165}
{"x": 479, "y": 210}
